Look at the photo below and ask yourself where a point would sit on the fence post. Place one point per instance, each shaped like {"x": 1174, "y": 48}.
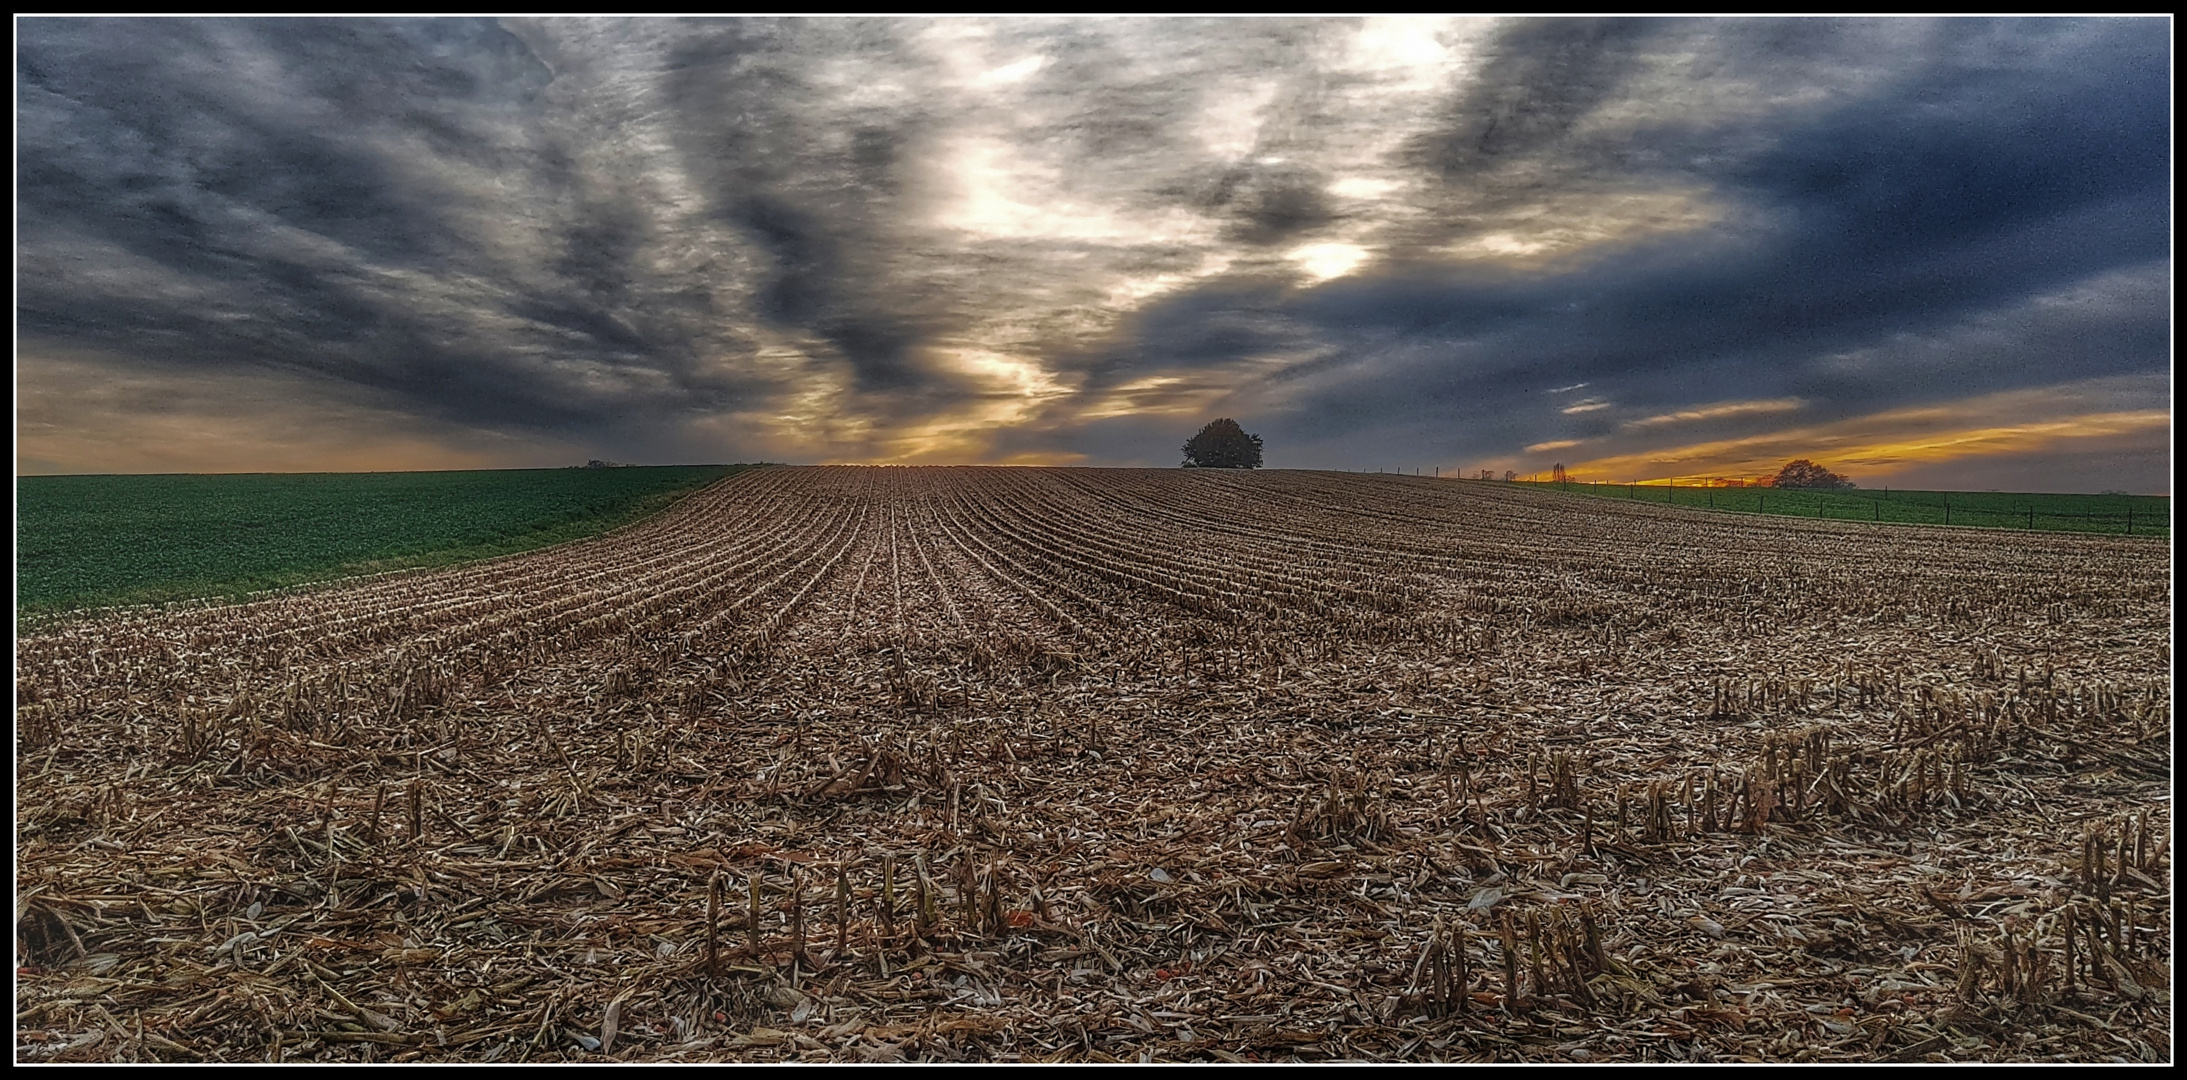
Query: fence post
{"x": 2129, "y": 519}
{"x": 2031, "y": 519}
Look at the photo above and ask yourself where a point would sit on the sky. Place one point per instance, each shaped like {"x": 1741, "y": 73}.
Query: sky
{"x": 1923, "y": 253}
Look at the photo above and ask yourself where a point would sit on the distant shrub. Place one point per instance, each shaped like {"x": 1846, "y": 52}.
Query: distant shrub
{"x": 1806, "y": 474}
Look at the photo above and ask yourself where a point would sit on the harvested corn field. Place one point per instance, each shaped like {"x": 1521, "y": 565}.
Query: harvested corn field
{"x": 863, "y": 764}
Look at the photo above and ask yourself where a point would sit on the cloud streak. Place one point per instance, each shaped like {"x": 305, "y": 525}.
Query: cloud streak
{"x": 1883, "y": 444}
{"x": 1714, "y": 411}
{"x": 1072, "y": 240}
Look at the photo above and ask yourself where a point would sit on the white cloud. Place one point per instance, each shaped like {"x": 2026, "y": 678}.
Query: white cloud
{"x": 1013, "y": 72}
{"x": 1364, "y": 187}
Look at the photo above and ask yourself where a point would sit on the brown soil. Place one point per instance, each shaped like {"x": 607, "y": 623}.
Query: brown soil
{"x": 992, "y": 764}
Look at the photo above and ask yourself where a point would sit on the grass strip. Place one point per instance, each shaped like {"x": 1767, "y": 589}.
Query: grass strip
{"x": 90, "y": 542}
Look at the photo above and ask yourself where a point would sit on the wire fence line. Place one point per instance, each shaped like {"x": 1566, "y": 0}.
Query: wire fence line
{"x": 2103, "y": 514}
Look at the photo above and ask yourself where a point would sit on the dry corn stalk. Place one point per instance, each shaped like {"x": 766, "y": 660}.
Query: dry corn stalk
{"x": 1322, "y": 708}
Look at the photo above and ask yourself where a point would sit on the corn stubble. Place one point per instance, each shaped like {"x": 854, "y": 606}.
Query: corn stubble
{"x": 993, "y": 764}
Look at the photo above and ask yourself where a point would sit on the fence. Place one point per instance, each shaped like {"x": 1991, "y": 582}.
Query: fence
{"x": 2059, "y": 513}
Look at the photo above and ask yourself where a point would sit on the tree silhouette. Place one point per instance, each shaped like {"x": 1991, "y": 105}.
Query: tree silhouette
{"x": 1223, "y": 445}
{"x": 1806, "y": 474}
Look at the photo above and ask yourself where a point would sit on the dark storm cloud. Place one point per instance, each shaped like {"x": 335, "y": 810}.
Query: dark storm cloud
{"x": 1271, "y": 204}
{"x": 596, "y": 228}
{"x": 1993, "y": 217}
{"x": 307, "y": 196}
{"x": 963, "y": 239}
{"x": 818, "y": 202}
{"x": 1538, "y": 82}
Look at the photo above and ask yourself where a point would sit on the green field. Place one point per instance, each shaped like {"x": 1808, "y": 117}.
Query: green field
{"x": 2119, "y": 515}
{"x": 88, "y": 541}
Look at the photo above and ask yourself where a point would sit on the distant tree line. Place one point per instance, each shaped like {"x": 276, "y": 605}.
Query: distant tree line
{"x": 1799, "y": 473}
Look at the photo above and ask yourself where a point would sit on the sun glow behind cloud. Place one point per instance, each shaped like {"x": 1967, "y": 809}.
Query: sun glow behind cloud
{"x": 1326, "y": 261}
